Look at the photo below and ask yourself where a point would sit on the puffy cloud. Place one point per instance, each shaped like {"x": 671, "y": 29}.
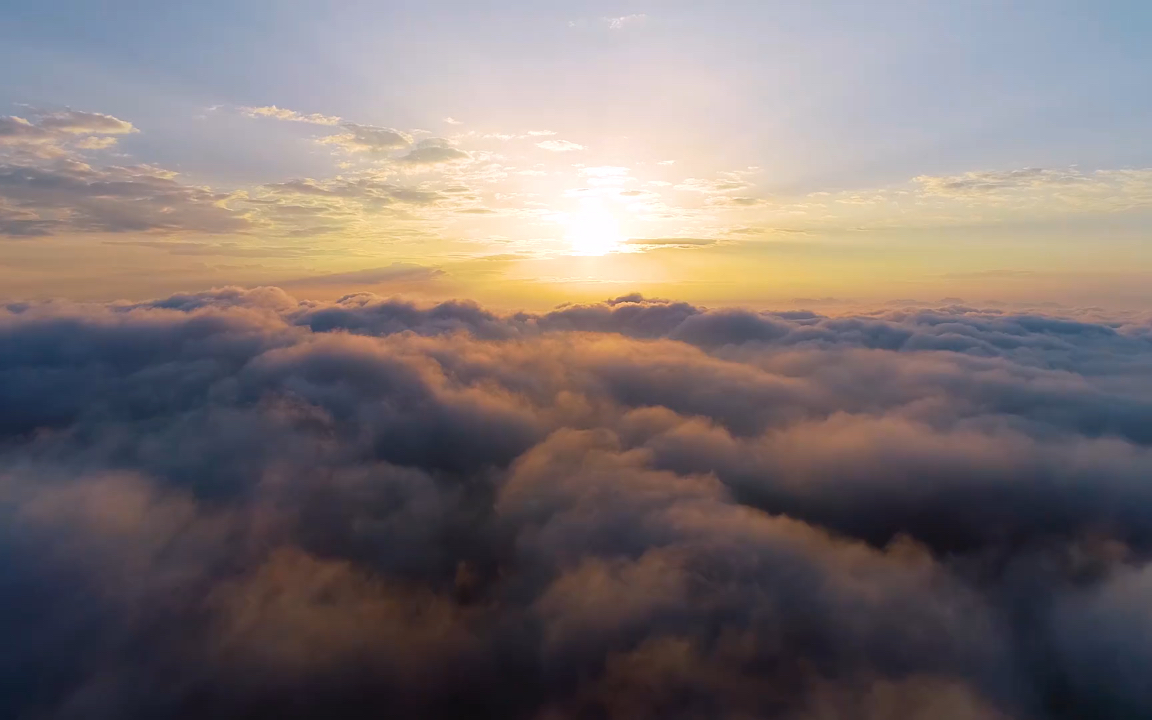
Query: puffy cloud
{"x": 50, "y": 134}
{"x": 237, "y": 504}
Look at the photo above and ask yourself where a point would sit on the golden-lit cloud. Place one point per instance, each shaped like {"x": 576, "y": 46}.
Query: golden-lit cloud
{"x": 405, "y": 195}
{"x": 278, "y": 113}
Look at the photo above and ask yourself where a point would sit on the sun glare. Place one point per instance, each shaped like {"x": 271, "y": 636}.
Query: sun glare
{"x": 593, "y": 231}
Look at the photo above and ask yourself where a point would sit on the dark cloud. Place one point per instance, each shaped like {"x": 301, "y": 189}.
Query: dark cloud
{"x": 234, "y": 504}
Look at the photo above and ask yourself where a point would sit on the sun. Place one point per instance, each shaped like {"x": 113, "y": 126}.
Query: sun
{"x": 593, "y": 231}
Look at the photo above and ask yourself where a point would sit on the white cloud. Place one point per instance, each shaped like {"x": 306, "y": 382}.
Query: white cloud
{"x": 606, "y": 175}
{"x": 619, "y": 23}
{"x": 559, "y": 146}
{"x": 452, "y": 121}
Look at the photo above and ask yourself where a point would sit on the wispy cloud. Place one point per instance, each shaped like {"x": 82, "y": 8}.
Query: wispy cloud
{"x": 559, "y": 146}
{"x": 279, "y": 113}
{"x": 623, "y": 21}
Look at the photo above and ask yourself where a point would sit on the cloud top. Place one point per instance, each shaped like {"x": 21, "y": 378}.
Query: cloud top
{"x": 238, "y": 504}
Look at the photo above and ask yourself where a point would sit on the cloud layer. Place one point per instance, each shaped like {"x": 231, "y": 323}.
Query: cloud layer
{"x": 236, "y": 504}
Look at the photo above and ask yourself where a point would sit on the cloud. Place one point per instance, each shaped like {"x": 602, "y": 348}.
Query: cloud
{"x": 708, "y": 186}
{"x": 71, "y": 196}
{"x": 235, "y": 503}
{"x": 84, "y": 123}
{"x": 52, "y": 134}
{"x": 992, "y": 181}
{"x": 278, "y": 113}
{"x": 368, "y": 139}
{"x": 434, "y": 151}
{"x": 1067, "y": 189}
{"x": 368, "y": 189}
{"x": 727, "y": 201}
{"x": 559, "y": 146}
{"x": 655, "y": 243}
{"x": 396, "y": 272}
{"x": 452, "y": 121}
{"x": 619, "y": 23}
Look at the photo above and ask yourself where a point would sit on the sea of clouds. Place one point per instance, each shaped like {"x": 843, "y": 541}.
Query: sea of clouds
{"x": 238, "y": 505}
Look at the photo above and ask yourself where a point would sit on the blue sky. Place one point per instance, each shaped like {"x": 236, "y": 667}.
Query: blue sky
{"x": 820, "y": 97}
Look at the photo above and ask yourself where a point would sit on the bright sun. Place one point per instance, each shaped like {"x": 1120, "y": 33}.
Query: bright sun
{"x": 593, "y": 231}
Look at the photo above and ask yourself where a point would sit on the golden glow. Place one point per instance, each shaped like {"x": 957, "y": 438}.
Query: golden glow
{"x": 593, "y": 231}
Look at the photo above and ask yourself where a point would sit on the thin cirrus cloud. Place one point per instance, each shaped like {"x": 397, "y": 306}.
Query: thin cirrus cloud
{"x": 278, "y": 113}
{"x": 374, "y": 504}
{"x": 559, "y": 146}
{"x": 624, "y": 21}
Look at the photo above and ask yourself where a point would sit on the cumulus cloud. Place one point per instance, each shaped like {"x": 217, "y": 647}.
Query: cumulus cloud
{"x": 238, "y": 504}
{"x": 559, "y": 146}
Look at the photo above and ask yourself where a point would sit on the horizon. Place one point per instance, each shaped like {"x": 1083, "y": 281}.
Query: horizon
{"x": 576, "y": 360}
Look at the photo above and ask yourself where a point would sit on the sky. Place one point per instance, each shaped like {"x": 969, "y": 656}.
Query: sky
{"x": 524, "y": 154}
{"x": 634, "y": 360}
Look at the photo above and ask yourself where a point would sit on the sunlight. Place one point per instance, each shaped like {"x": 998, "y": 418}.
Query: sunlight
{"x": 593, "y": 231}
